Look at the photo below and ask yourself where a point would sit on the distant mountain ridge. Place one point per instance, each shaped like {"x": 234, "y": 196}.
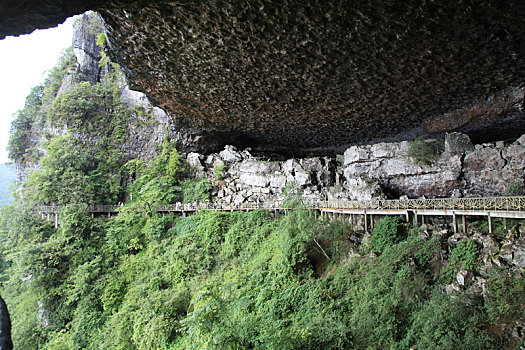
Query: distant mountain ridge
{"x": 7, "y": 178}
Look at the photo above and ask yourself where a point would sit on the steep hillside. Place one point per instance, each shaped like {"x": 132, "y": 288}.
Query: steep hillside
{"x": 85, "y": 101}
{"x": 136, "y": 278}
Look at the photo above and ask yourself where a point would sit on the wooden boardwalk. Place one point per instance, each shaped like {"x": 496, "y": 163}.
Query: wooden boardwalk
{"x": 413, "y": 209}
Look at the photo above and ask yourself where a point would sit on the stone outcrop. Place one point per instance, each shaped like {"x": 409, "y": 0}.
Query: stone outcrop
{"x": 85, "y": 47}
{"x": 366, "y": 172}
{"x": 148, "y": 124}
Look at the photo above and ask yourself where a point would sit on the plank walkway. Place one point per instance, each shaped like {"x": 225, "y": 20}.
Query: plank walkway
{"x": 491, "y": 207}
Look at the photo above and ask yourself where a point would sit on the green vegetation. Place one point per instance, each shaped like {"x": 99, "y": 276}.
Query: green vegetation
{"x": 20, "y": 141}
{"x": 387, "y": 232}
{"x": 214, "y": 280}
{"x": 462, "y": 257}
{"x": 196, "y": 190}
{"x": 424, "y": 152}
{"x": 516, "y": 188}
{"x": 225, "y": 280}
{"x": 232, "y": 280}
{"x": 506, "y": 301}
{"x": 218, "y": 172}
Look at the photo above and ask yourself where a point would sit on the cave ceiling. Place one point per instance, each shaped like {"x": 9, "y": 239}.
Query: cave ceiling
{"x": 315, "y": 76}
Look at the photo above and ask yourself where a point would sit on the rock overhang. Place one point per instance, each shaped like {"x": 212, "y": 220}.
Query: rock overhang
{"x": 315, "y": 77}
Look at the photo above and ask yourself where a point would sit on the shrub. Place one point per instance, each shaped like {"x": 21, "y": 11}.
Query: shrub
{"x": 388, "y": 232}
{"x": 447, "y": 323}
{"x": 196, "y": 190}
{"x": 462, "y": 257}
{"x": 505, "y": 298}
{"x": 516, "y": 188}
{"x": 293, "y": 195}
{"x": 424, "y": 152}
{"x": 218, "y": 172}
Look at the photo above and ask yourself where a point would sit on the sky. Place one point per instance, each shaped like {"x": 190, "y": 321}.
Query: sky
{"x": 24, "y": 63}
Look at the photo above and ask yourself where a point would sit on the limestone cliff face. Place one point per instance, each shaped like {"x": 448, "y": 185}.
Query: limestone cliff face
{"x": 148, "y": 125}
{"x": 367, "y": 172}
{"x": 85, "y": 47}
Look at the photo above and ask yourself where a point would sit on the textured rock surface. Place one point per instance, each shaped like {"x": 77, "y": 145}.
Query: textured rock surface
{"x": 87, "y": 52}
{"x": 308, "y": 76}
{"x": 312, "y": 76}
{"x": 148, "y": 125}
{"x": 370, "y": 171}
{"x": 22, "y": 17}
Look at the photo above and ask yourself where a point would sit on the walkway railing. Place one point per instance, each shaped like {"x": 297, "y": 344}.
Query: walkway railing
{"x": 474, "y": 204}
{"x": 481, "y": 203}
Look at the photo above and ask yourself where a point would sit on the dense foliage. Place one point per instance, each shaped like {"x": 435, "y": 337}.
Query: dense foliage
{"x": 230, "y": 281}
{"x": 388, "y": 232}
{"x": 424, "y": 152}
{"x": 214, "y": 280}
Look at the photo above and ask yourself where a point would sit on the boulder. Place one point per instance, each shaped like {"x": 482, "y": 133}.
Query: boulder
{"x": 465, "y": 278}
{"x": 356, "y": 154}
{"x": 400, "y": 167}
{"x": 371, "y": 169}
{"x": 230, "y": 154}
{"x": 238, "y": 199}
{"x": 484, "y": 159}
{"x": 194, "y": 160}
{"x": 457, "y": 143}
{"x": 515, "y": 156}
{"x": 311, "y": 164}
{"x": 254, "y": 180}
{"x": 513, "y": 250}
{"x": 291, "y": 165}
{"x": 361, "y": 189}
{"x": 259, "y": 167}
{"x": 278, "y": 181}
{"x": 213, "y": 161}
{"x": 384, "y": 150}
{"x": 302, "y": 178}
{"x": 521, "y": 140}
